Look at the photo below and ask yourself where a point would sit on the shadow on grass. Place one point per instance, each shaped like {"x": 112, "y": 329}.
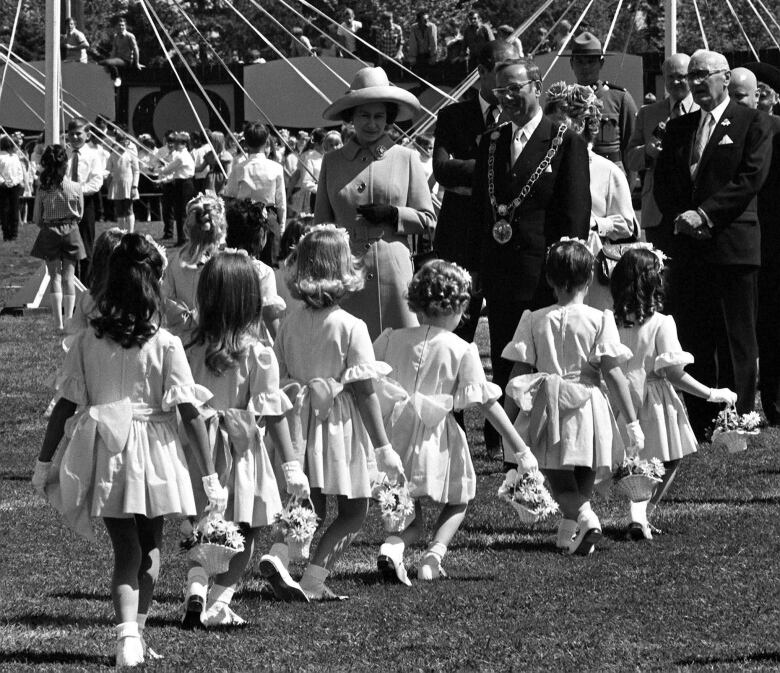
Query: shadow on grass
{"x": 767, "y": 500}
{"x": 161, "y": 597}
{"x": 28, "y": 657}
{"x": 43, "y": 619}
{"x": 6, "y": 476}
{"x": 736, "y": 659}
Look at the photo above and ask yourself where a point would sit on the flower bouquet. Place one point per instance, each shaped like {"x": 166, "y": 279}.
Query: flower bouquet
{"x": 396, "y": 506}
{"x": 731, "y": 429}
{"x": 297, "y": 523}
{"x": 637, "y": 478}
{"x": 213, "y": 542}
{"x": 528, "y": 496}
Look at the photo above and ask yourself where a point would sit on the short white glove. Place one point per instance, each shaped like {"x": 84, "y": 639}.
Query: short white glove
{"x": 297, "y": 483}
{"x": 636, "y": 438}
{"x": 389, "y": 462}
{"x": 216, "y": 493}
{"x": 526, "y": 462}
{"x": 41, "y": 477}
{"x": 722, "y": 396}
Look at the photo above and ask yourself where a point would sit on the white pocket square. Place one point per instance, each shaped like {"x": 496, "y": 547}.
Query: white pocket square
{"x": 725, "y": 122}
{"x": 725, "y": 140}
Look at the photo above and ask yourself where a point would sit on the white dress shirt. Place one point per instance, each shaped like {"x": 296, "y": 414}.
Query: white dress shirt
{"x": 180, "y": 165}
{"x": 11, "y": 170}
{"x": 258, "y": 178}
{"x": 521, "y": 134}
{"x": 91, "y": 169}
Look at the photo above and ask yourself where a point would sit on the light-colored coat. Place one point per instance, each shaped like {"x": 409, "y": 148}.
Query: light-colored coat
{"x": 123, "y": 175}
{"x": 383, "y": 173}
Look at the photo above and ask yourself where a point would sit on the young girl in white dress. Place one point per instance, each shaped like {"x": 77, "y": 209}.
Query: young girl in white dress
{"x": 434, "y": 373}
{"x": 654, "y": 371}
{"x": 561, "y": 354}
{"x": 243, "y": 376}
{"x": 205, "y": 228}
{"x": 124, "y": 461}
{"x": 339, "y": 432}
{"x": 123, "y": 175}
{"x": 247, "y": 229}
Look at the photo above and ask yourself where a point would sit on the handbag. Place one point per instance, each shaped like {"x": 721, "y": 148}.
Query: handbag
{"x": 422, "y": 249}
{"x": 612, "y": 251}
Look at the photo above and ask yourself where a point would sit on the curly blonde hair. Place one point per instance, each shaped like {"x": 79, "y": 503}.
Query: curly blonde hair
{"x": 439, "y": 288}
{"x": 321, "y": 268}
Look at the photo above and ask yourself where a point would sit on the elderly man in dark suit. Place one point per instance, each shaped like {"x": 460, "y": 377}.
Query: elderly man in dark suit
{"x": 531, "y": 187}
{"x": 710, "y": 170}
{"x": 459, "y": 129}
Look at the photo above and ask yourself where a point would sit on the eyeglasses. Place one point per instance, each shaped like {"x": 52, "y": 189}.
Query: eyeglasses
{"x": 701, "y": 75}
{"x": 513, "y": 90}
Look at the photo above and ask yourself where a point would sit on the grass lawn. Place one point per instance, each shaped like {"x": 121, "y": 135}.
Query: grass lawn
{"x": 705, "y": 596}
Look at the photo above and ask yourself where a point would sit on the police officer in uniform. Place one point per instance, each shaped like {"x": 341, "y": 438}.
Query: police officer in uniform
{"x": 619, "y": 109}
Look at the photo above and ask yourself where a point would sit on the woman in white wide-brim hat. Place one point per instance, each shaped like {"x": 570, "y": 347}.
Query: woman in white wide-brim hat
{"x": 378, "y": 192}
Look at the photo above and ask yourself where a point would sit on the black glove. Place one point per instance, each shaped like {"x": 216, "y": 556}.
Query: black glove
{"x": 379, "y": 213}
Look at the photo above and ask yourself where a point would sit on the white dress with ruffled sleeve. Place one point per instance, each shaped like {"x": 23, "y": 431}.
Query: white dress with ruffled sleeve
{"x": 320, "y": 352}
{"x": 124, "y": 456}
{"x": 655, "y": 345}
{"x": 565, "y": 416}
{"x": 434, "y": 373}
{"x": 243, "y": 395}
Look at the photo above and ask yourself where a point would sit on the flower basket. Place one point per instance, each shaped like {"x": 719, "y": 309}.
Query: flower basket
{"x": 298, "y": 524}
{"x": 733, "y": 440}
{"x": 213, "y": 558}
{"x": 212, "y": 543}
{"x": 731, "y": 429}
{"x": 396, "y": 506}
{"x": 638, "y": 487}
{"x": 528, "y": 496}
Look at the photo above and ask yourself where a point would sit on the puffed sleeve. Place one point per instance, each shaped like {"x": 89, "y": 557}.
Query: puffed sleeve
{"x": 667, "y": 345}
{"x": 473, "y": 388}
{"x": 265, "y": 397}
{"x": 361, "y": 362}
{"x": 521, "y": 348}
{"x": 178, "y": 385}
{"x": 607, "y": 342}
{"x": 72, "y": 383}
{"x": 271, "y": 298}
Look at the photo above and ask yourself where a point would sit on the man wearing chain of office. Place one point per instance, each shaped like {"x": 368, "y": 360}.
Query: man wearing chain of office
{"x": 531, "y": 186}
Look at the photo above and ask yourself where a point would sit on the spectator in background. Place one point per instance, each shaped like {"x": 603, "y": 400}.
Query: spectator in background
{"x": 767, "y": 98}
{"x": 11, "y": 187}
{"x": 124, "y": 53}
{"x": 255, "y": 57}
{"x": 561, "y": 34}
{"x": 389, "y": 39}
{"x": 300, "y": 45}
{"x": 504, "y": 33}
{"x": 475, "y": 36}
{"x": 332, "y": 142}
{"x": 199, "y": 150}
{"x": 649, "y": 98}
{"x": 326, "y": 47}
{"x": 423, "y": 44}
{"x": 347, "y": 31}
{"x": 76, "y": 44}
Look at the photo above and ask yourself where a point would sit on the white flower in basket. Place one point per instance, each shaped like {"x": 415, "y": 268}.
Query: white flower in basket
{"x": 213, "y": 542}
{"x": 298, "y": 524}
{"x": 528, "y": 496}
{"x": 731, "y": 429}
{"x": 396, "y": 506}
{"x": 637, "y": 478}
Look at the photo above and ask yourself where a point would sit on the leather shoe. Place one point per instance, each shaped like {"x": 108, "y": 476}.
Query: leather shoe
{"x": 638, "y": 531}
{"x": 285, "y": 588}
{"x": 392, "y": 571}
{"x": 193, "y": 611}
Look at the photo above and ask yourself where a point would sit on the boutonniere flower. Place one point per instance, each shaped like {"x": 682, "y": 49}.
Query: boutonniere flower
{"x": 725, "y": 122}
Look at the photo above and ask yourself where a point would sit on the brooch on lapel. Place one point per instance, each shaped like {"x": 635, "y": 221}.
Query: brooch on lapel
{"x": 725, "y": 140}
{"x": 380, "y": 151}
{"x": 725, "y": 122}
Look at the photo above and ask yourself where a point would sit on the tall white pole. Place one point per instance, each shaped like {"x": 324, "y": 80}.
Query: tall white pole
{"x": 53, "y": 72}
{"x": 670, "y": 28}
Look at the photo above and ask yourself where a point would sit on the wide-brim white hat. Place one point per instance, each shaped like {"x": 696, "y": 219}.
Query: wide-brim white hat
{"x": 370, "y": 85}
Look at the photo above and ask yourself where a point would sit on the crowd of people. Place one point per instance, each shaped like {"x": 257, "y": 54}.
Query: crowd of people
{"x": 361, "y": 372}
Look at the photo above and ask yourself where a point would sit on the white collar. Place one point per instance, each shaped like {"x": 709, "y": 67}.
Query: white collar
{"x": 484, "y": 106}
{"x": 686, "y": 104}
{"x": 529, "y": 128}
{"x": 716, "y": 112}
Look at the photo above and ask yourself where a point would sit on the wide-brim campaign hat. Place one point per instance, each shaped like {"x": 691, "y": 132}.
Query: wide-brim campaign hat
{"x": 766, "y": 73}
{"x": 585, "y": 44}
{"x": 370, "y": 85}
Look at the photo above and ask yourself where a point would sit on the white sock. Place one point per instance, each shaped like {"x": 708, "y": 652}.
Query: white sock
{"x": 56, "y": 308}
{"x": 313, "y": 579}
{"x": 639, "y": 511}
{"x": 141, "y": 621}
{"x": 127, "y": 630}
{"x": 130, "y": 222}
{"x": 650, "y": 508}
{"x": 197, "y": 582}
{"x": 436, "y": 549}
{"x": 280, "y": 550}
{"x": 393, "y": 547}
{"x": 68, "y": 304}
{"x": 566, "y": 530}
{"x": 220, "y": 594}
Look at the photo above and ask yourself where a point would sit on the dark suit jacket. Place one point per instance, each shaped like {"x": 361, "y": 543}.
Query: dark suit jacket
{"x": 558, "y": 205}
{"x": 768, "y": 210}
{"x": 458, "y": 128}
{"x": 729, "y": 176}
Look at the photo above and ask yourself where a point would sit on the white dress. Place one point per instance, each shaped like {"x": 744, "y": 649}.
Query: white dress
{"x": 668, "y": 433}
{"x": 565, "y": 416}
{"x": 123, "y": 456}
{"x": 320, "y": 352}
{"x": 242, "y": 396}
{"x": 434, "y": 373}
{"x": 179, "y": 288}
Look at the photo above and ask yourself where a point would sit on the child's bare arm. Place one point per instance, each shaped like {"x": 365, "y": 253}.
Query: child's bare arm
{"x": 62, "y": 411}
{"x": 685, "y": 382}
{"x": 368, "y": 405}
{"x": 279, "y": 431}
{"x": 500, "y": 421}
